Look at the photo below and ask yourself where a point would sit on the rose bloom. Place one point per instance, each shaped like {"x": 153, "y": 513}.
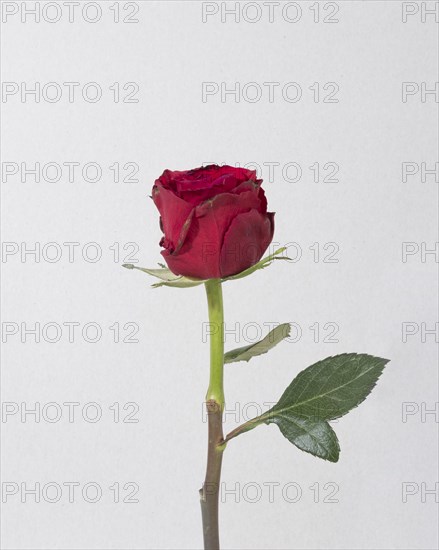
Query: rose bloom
{"x": 214, "y": 219}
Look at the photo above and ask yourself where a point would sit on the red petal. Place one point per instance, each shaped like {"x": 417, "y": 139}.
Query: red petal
{"x": 175, "y": 213}
{"x": 201, "y": 252}
{"x": 246, "y": 241}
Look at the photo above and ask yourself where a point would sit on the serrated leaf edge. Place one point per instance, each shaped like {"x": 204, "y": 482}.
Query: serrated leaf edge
{"x": 297, "y": 404}
{"x": 319, "y": 421}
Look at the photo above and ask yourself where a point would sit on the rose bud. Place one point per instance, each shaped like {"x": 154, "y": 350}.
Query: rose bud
{"x": 214, "y": 219}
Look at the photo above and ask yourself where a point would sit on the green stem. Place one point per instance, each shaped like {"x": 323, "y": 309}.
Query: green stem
{"x": 209, "y": 493}
{"x": 214, "y": 292}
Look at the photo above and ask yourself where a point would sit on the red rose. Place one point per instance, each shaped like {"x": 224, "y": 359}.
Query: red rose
{"x": 214, "y": 219}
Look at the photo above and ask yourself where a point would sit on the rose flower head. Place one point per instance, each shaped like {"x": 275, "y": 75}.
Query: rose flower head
{"x": 214, "y": 219}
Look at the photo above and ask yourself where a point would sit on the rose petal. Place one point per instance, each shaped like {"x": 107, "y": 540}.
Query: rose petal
{"x": 174, "y": 213}
{"x": 211, "y": 182}
{"x": 245, "y": 241}
{"x": 200, "y": 254}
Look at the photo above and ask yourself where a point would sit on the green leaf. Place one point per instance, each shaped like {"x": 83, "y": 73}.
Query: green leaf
{"x": 167, "y": 277}
{"x": 247, "y": 352}
{"x": 332, "y": 387}
{"x": 314, "y": 437}
{"x": 324, "y": 391}
{"x": 265, "y": 262}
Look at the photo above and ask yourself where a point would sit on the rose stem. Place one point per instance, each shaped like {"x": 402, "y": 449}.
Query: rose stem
{"x": 209, "y": 493}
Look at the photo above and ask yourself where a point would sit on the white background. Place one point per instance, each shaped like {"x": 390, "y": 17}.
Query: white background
{"x": 369, "y": 293}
